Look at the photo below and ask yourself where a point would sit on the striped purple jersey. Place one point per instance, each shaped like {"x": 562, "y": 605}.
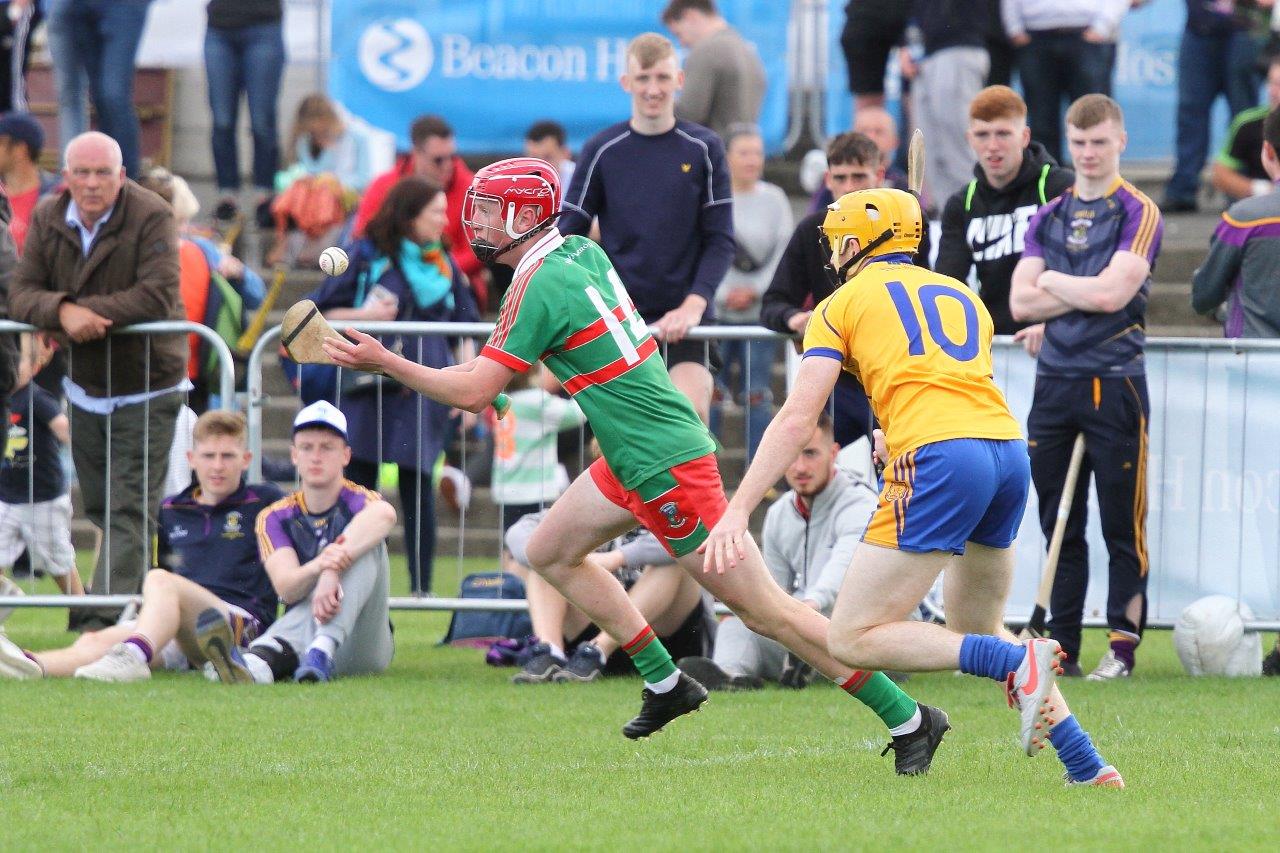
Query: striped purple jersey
{"x": 1079, "y": 238}
{"x": 288, "y": 523}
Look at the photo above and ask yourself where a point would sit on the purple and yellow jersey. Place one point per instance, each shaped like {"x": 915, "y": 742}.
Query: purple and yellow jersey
{"x": 288, "y": 523}
{"x": 920, "y": 343}
{"x": 1080, "y": 238}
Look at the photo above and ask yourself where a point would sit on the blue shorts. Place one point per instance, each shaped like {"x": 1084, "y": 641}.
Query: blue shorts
{"x": 944, "y": 494}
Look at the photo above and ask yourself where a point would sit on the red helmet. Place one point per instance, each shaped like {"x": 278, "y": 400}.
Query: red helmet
{"x": 500, "y": 193}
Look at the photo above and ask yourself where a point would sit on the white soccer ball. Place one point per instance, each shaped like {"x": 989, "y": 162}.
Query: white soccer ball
{"x": 333, "y": 261}
{"x": 1210, "y": 638}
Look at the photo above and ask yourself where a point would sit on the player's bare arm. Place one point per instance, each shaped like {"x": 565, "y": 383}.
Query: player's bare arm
{"x": 786, "y": 436}
{"x": 471, "y": 389}
{"x": 1028, "y": 302}
{"x": 1104, "y": 293}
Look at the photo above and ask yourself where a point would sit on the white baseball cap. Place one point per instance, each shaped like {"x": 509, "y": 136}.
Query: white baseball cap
{"x": 324, "y": 414}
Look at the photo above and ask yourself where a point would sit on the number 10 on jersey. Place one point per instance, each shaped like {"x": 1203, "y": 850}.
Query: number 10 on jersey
{"x": 929, "y": 296}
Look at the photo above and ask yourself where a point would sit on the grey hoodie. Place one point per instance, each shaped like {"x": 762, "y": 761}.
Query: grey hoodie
{"x": 808, "y": 554}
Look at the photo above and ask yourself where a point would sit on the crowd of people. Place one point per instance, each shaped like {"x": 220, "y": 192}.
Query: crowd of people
{"x": 683, "y": 232}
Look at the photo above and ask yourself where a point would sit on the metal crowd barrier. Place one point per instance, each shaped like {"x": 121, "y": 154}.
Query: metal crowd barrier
{"x": 226, "y": 387}
{"x": 1215, "y": 474}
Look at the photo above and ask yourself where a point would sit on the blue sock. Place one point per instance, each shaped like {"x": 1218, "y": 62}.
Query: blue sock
{"x": 1075, "y": 750}
{"x": 981, "y": 654}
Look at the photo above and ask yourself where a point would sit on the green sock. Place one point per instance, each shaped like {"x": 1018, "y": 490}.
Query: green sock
{"x": 880, "y": 694}
{"x": 650, "y": 657}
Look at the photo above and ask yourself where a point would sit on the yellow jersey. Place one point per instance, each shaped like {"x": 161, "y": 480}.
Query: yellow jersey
{"x": 920, "y": 344}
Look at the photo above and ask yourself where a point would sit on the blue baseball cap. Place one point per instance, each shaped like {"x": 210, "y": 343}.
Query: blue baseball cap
{"x": 24, "y": 128}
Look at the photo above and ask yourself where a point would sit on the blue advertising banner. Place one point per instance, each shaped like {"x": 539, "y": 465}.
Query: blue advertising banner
{"x": 493, "y": 67}
{"x": 1146, "y": 79}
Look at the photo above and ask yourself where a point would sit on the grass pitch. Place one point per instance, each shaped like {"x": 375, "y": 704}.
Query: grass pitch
{"x": 443, "y": 753}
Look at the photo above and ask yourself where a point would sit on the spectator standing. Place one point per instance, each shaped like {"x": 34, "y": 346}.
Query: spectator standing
{"x": 434, "y": 156}
{"x": 1238, "y": 171}
{"x": 661, "y": 191}
{"x": 953, "y": 70}
{"x": 762, "y": 225}
{"x": 401, "y": 271}
{"x": 804, "y": 278}
{"x": 1086, "y": 273}
{"x": 983, "y": 224}
{"x": 98, "y": 40}
{"x": 244, "y": 54}
{"x": 1214, "y": 38}
{"x": 35, "y": 504}
{"x": 724, "y": 79}
{"x": 1243, "y": 265}
{"x": 25, "y": 183}
{"x": 548, "y": 141}
{"x": 998, "y": 47}
{"x": 880, "y": 127}
{"x": 872, "y": 29}
{"x": 809, "y": 537}
{"x": 18, "y": 20}
{"x": 527, "y": 474}
{"x": 103, "y": 253}
{"x": 1066, "y": 49}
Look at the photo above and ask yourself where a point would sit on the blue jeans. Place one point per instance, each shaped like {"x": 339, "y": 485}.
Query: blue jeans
{"x": 1208, "y": 66}
{"x": 68, "y": 75}
{"x": 103, "y": 38}
{"x": 754, "y": 361}
{"x": 1057, "y": 66}
{"x": 248, "y": 60}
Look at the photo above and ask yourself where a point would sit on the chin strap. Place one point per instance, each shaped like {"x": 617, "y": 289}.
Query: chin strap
{"x": 537, "y": 229}
{"x": 842, "y": 273}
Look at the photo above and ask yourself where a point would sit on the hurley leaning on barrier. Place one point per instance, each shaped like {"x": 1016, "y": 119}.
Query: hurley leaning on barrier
{"x": 104, "y": 253}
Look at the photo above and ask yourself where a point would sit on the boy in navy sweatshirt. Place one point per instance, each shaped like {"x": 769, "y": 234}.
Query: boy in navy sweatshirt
{"x": 206, "y": 559}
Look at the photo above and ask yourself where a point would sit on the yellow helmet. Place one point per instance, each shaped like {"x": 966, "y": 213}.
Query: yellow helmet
{"x": 882, "y": 220}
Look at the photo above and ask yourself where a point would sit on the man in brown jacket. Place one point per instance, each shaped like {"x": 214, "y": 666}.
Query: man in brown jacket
{"x": 100, "y": 255}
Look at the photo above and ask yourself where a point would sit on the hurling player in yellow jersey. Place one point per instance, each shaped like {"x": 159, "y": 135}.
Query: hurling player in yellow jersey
{"x": 955, "y": 485}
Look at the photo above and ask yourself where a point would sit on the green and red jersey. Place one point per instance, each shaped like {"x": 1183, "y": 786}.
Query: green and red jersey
{"x": 568, "y": 307}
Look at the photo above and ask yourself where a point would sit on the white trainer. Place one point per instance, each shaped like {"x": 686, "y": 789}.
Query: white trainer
{"x": 1110, "y": 667}
{"x": 1107, "y": 777}
{"x": 8, "y": 587}
{"x": 118, "y": 664}
{"x": 14, "y": 662}
{"x": 1028, "y": 690}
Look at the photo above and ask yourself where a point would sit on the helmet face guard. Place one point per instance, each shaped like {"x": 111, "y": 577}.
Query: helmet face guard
{"x": 498, "y": 195}
{"x": 882, "y": 220}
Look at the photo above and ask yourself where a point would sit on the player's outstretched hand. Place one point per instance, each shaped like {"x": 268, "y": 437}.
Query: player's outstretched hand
{"x": 363, "y": 352}
{"x": 725, "y": 546}
{"x": 327, "y": 597}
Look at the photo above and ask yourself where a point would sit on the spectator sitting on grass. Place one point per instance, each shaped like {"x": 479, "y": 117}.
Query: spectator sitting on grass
{"x": 206, "y": 563}
{"x": 674, "y": 604}
{"x": 810, "y": 534}
{"x": 324, "y": 548}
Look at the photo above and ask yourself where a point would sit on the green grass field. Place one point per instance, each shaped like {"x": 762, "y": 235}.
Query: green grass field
{"x": 442, "y": 752}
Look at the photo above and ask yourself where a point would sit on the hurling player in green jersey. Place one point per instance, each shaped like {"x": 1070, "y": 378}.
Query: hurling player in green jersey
{"x": 568, "y": 308}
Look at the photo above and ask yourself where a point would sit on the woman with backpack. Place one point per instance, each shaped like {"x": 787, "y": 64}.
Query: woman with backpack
{"x": 401, "y": 270}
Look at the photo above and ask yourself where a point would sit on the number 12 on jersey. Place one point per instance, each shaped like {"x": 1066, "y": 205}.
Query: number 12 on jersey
{"x": 929, "y": 296}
